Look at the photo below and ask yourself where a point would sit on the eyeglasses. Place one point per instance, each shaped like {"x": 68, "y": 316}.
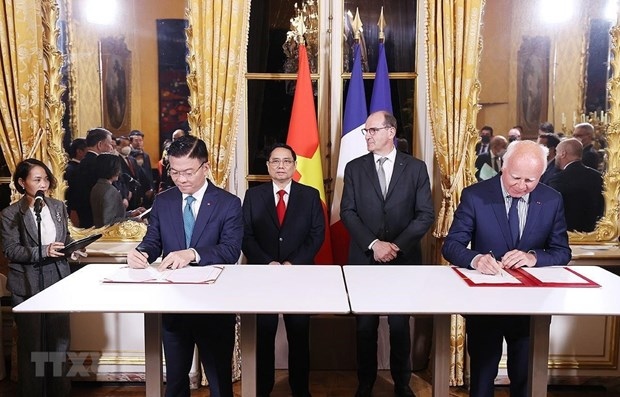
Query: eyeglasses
{"x": 373, "y": 131}
{"x": 187, "y": 174}
{"x": 277, "y": 162}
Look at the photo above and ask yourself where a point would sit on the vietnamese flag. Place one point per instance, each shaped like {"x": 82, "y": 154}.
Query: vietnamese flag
{"x": 303, "y": 137}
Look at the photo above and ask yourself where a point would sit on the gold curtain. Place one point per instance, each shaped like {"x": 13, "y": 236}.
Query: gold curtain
{"x": 453, "y": 51}
{"x": 217, "y": 41}
{"x": 30, "y": 107}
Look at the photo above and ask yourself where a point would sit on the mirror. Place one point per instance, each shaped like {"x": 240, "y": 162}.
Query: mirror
{"x": 555, "y": 55}
{"x": 103, "y": 38}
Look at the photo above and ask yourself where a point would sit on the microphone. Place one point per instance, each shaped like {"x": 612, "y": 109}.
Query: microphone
{"x": 129, "y": 179}
{"x": 38, "y": 201}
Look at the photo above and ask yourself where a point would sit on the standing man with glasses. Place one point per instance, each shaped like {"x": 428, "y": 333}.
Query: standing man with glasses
{"x": 199, "y": 224}
{"x": 508, "y": 221}
{"x": 387, "y": 208}
{"x": 283, "y": 225}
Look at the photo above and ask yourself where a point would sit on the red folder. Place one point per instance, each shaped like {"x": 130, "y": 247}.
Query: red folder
{"x": 527, "y": 279}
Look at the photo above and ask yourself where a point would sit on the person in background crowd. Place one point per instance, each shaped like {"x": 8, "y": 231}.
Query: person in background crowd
{"x": 581, "y": 187}
{"x": 105, "y": 199}
{"x": 486, "y": 133}
{"x": 98, "y": 140}
{"x": 77, "y": 151}
{"x": 137, "y": 144}
{"x": 514, "y": 134}
{"x": 550, "y": 141}
{"x": 18, "y": 234}
{"x": 546, "y": 127}
{"x": 492, "y": 158}
{"x": 585, "y": 133}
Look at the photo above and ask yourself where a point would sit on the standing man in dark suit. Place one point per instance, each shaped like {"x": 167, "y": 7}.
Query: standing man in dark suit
{"x": 486, "y": 133}
{"x": 98, "y": 140}
{"x": 284, "y": 225}
{"x": 387, "y": 208}
{"x": 137, "y": 144}
{"x": 194, "y": 223}
{"x": 585, "y": 133}
{"x": 519, "y": 222}
{"x": 551, "y": 142}
{"x": 492, "y": 158}
{"x": 581, "y": 187}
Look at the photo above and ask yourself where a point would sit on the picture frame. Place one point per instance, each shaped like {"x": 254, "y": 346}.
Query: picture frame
{"x": 115, "y": 66}
{"x": 533, "y": 84}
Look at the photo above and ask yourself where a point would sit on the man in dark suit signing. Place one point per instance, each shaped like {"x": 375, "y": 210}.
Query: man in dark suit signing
{"x": 283, "y": 225}
{"x": 387, "y": 208}
{"x": 194, "y": 223}
{"x": 581, "y": 187}
{"x": 511, "y": 221}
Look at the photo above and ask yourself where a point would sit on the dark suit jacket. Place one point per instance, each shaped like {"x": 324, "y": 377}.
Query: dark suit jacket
{"x": 482, "y": 220}
{"x": 87, "y": 177}
{"x": 217, "y": 233}
{"x": 549, "y": 173}
{"x": 301, "y": 234}
{"x": 582, "y": 190}
{"x": 402, "y": 218}
{"x": 590, "y": 157}
{"x": 478, "y": 147}
{"x": 20, "y": 246}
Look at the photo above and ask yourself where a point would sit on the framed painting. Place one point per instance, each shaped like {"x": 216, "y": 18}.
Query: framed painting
{"x": 115, "y": 63}
{"x": 533, "y": 84}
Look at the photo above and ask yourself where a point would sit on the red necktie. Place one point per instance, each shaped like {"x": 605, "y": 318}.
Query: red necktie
{"x": 133, "y": 172}
{"x": 281, "y": 207}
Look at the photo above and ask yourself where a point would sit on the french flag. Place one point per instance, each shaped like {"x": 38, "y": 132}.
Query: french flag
{"x": 381, "y": 94}
{"x": 352, "y": 145}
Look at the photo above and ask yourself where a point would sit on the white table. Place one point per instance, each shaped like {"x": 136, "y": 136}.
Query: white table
{"x": 437, "y": 290}
{"x": 244, "y": 289}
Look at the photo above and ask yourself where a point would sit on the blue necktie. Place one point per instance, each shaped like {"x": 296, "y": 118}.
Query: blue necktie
{"x": 513, "y": 221}
{"x": 188, "y": 219}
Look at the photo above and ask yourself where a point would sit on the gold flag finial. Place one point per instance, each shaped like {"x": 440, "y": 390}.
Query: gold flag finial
{"x": 298, "y": 24}
{"x": 357, "y": 25}
{"x": 381, "y": 25}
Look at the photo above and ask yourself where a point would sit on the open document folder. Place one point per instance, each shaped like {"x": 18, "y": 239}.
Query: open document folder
{"x": 487, "y": 172}
{"x": 548, "y": 276}
{"x": 185, "y": 275}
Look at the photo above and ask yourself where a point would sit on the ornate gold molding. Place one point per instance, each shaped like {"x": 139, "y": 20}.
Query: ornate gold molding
{"x": 607, "y": 228}
{"x": 123, "y": 231}
{"x": 54, "y": 108}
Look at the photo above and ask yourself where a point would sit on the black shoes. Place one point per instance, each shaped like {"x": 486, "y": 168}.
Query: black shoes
{"x": 363, "y": 391}
{"x": 403, "y": 391}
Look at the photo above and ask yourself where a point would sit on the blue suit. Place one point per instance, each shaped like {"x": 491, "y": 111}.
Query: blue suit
{"x": 217, "y": 237}
{"x": 481, "y": 219}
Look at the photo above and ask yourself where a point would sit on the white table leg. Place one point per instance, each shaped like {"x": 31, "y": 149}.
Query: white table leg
{"x": 539, "y": 355}
{"x": 152, "y": 349}
{"x": 248, "y": 355}
{"x": 441, "y": 355}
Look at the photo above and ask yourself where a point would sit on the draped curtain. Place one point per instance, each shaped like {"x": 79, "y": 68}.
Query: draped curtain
{"x": 453, "y": 52}
{"x": 30, "y": 107}
{"x": 217, "y": 41}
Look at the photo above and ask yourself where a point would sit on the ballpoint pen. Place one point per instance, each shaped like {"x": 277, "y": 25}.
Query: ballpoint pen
{"x": 501, "y": 272}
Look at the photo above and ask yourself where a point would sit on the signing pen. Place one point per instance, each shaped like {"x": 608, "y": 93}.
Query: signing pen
{"x": 501, "y": 272}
